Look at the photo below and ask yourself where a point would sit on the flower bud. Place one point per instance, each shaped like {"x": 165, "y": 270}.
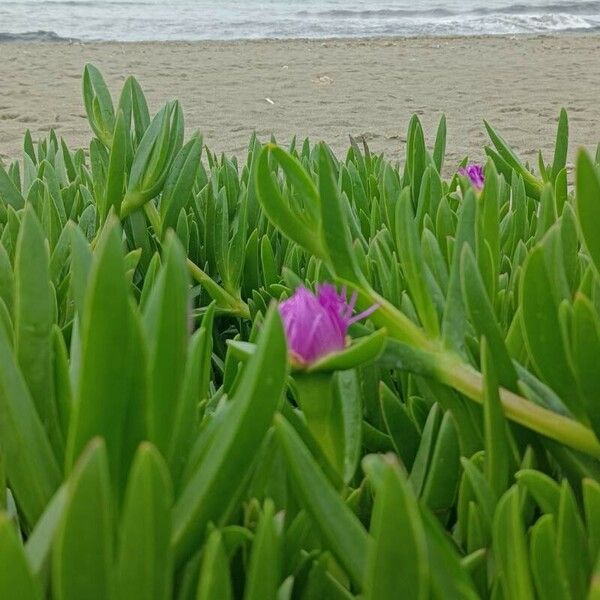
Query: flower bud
{"x": 474, "y": 173}
{"x": 317, "y": 324}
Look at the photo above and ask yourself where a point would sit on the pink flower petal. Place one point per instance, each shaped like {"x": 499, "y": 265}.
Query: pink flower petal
{"x": 317, "y": 325}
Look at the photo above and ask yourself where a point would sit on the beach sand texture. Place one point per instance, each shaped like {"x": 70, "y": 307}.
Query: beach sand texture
{"x": 322, "y": 89}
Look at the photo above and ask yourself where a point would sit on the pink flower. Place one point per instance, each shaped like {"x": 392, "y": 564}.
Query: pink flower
{"x": 475, "y": 174}
{"x": 317, "y": 325}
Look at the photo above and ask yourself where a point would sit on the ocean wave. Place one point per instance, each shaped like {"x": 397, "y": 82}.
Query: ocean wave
{"x": 33, "y": 36}
{"x": 378, "y": 13}
{"x": 188, "y": 20}
{"x": 467, "y": 25}
{"x": 519, "y": 23}
{"x": 589, "y": 8}
{"x": 85, "y": 3}
{"x": 507, "y": 25}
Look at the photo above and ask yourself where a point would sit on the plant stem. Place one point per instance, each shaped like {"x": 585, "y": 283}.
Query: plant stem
{"x": 463, "y": 378}
{"x": 454, "y": 372}
{"x": 316, "y": 398}
{"x": 223, "y": 298}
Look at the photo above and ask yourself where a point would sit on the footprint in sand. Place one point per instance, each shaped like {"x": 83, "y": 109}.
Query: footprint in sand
{"x": 367, "y": 136}
{"x": 323, "y": 80}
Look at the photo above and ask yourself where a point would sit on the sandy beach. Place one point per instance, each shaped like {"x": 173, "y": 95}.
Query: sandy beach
{"x": 321, "y": 89}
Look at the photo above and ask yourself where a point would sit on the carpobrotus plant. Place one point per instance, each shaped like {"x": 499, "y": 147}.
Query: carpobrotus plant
{"x": 169, "y": 429}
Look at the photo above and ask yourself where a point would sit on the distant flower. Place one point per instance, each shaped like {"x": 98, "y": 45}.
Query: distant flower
{"x": 475, "y": 173}
{"x": 317, "y": 325}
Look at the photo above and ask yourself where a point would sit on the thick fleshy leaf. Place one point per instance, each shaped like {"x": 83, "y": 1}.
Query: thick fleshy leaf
{"x": 278, "y": 208}
{"x": 414, "y": 268}
{"x": 34, "y": 316}
{"x": 16, "y": 578}
{"x": 9, "y": 193}
{"x": 39, "y": 544}
{"x": 584, "y": 352}
{"x": 587, "y": 196}
{"x": 542, "y": 336}
{"x": 336, "y": 236}
{"x": 29, "y": 459}
{"x": 510, "y": 547}
{"x": 402, "y": 429}
{"x": 561, "y": 147}
{"x": 570, "y": 541}
{"x": 591, "y": 502}
{"x": 341, "y": 531}
{"x": 82, "y": 562}
{"x": 179, "y": 182}
{"x": 115, "y": 182}
{"x": 397, "y": 560}
{"x": 215, "y": 579}
{"x": 546, "y": 567}
{"x": 363, "y": 350}
{"x": 166, "y": 324}
{"x": 482, "y": 316}
{"x": 264, "y": 569}
{"x": 448, "y": 577}
{"x": 220, "y": 471}
{"x": 98, "y": 104}
{"x": 111, "y": 390}
{"x": 145, "y": 561}
{"x": 497, "y": 451}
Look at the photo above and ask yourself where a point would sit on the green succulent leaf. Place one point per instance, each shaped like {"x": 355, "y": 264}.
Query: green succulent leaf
{"x": 343, "y": 534}
{"x": 82, "y": 565}
{"x": 397, "y": 559}
{"x": 16, "y": 577}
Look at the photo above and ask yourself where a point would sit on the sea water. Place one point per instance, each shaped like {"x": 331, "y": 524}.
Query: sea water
{"x": 136, "y": 20}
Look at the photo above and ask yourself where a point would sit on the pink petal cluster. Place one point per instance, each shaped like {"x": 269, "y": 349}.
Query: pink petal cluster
{"x": 475, "y": 174}
{"x": 317, "y": 324}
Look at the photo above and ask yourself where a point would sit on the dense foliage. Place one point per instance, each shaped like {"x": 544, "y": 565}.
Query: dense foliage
{"x": 158, "y": 442}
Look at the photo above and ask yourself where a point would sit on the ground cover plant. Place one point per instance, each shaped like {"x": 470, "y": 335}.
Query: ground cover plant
{"x": 296, "y": 376}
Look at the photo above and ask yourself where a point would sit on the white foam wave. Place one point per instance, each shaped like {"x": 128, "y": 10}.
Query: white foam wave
{"x": 226, "y": 19}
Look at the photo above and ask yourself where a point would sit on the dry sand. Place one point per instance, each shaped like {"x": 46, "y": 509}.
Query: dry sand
{"x": 322, "y": 89}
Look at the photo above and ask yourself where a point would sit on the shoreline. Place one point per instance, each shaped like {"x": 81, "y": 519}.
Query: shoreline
{"x": 322, "y": 88}
{"x": 573, "y": 33}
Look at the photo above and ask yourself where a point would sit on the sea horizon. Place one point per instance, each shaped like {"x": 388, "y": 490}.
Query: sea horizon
{"x": 188, "y": 20}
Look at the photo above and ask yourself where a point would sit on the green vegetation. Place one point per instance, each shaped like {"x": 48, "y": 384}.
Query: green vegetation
{"x": 157, "y": 441}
